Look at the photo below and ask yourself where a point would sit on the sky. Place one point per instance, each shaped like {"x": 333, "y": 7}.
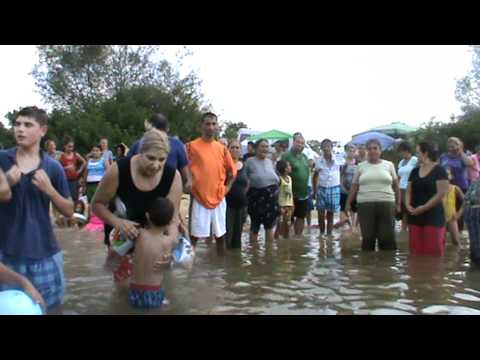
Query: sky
{"x": 321, "y": 91}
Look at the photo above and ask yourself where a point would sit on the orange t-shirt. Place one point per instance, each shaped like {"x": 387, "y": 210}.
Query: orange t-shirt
{"x": 209, "y": 163}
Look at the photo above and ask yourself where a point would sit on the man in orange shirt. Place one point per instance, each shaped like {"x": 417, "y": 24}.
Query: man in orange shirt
{"x": 213, "y": 172}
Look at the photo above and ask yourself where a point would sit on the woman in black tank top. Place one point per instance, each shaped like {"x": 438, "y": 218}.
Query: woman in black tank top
{"x": 138, "y": 181}
{"x": 137, "y": 201}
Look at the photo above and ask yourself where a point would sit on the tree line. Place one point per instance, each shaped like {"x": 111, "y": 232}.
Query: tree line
{"x": 108, "y": 91}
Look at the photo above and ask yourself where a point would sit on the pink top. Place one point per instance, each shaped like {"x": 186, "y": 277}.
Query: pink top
{"x": 473, "y": 171}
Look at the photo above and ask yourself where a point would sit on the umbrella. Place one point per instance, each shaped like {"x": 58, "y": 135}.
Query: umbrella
{"x": 395, "y": 129}
{"x": 385, "y": 141}
{"x": 271, "y": 135}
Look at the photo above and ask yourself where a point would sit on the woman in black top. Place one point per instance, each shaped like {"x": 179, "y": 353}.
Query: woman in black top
{"x": 236, "y": 200}
{"x": 138, "y": 181}
{"x": 427, "y": 185}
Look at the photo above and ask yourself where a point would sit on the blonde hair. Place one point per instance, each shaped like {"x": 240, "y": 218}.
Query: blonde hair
{"x": 233, "y": 141}
{"x": 155, "y": 140}
{"x": 454, "y": 140}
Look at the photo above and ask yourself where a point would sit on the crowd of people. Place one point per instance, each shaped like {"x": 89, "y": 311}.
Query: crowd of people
{"x": 135, "y": 196}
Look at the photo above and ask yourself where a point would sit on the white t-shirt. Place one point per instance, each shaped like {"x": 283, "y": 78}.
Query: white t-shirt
{"x": 404, "y": 170}
{"x": 375, "y": 181}
{"x": 328, "y": 173}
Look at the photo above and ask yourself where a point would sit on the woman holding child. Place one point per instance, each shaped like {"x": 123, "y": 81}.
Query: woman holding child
{"x": 138, "y": 181}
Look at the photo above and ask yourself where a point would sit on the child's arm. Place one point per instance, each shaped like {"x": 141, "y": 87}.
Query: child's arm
{"x": 459, "y": 194}
{"x": 5, "y": 191}
{"x": 83, "y": 165}
{"x": 9, "y": 276}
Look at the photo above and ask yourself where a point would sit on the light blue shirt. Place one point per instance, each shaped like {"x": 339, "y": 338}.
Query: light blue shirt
{"x": 404, "y": 170}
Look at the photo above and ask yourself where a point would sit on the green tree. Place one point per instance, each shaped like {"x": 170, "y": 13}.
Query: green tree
{"x": 78, "y": 76}
{"x": 315, "y": 145}
{"x": 466, "y": 127}
{"x": 108, "y": 91}
{"x": 230, "y": 129}
{"x": 468, "y": 88}
{"x": 6, "y": 137}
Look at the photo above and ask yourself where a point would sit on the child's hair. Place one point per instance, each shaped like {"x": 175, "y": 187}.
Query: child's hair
{"x": 282, "y": 167}
{"x": 325, "y": 142}
{"x": 161, "y": 212}
{"x": 81, "y": 204}
{"x": 97, "y": 147}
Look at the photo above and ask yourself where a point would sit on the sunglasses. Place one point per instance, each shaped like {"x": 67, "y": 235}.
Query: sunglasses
{"x": 234, "y": 147}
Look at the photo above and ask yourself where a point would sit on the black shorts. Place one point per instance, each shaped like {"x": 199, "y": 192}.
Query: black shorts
{"x": 255, "y": 225}
{"x": 343, "y": 203}
{"x": 301, "y": 209}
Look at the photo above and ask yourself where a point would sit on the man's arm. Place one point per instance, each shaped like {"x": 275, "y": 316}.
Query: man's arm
{"x": 186, "y": 179}
{"x": 175, "y": 194}
{"x": 42, "y": 182}
{"x": 231, "y": 169}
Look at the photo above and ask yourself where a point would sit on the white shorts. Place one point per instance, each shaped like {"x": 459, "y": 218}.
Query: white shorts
{"x": 203, "y": 220}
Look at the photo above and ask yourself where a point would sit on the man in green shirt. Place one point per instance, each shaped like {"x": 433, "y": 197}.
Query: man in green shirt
{"x": 300, "y": 174}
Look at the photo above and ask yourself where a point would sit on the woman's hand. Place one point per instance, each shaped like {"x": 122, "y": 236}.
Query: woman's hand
{"x": 127, "y": 227}
{"x": 409, "y": 208}
{"x": 418, "y": 210}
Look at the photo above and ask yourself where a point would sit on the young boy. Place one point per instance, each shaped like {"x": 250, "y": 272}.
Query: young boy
{"x": 327, "y": 177}
{"x": 28, "y": 243}
{"x": 153, "y": 244}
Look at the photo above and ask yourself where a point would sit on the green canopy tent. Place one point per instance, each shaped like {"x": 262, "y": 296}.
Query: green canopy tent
{"x": 271, "y": 135}
{"x": 395, "y": 129}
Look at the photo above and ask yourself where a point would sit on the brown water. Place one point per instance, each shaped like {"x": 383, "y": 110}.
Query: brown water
{"x": 298, "y": 276}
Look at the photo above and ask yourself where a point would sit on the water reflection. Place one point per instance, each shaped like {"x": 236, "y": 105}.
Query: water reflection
{"x": 308, "y": 275}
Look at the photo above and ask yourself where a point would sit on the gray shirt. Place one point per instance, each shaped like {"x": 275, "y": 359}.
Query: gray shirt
{"x": 261, "y": 173}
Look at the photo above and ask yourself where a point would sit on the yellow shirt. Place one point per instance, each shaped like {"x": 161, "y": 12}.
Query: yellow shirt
{"x": 449, "y": 203}
{"x": 285, "y": 198}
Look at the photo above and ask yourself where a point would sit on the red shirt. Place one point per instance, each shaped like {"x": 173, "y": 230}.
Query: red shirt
{"x": 71, "y": 172}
